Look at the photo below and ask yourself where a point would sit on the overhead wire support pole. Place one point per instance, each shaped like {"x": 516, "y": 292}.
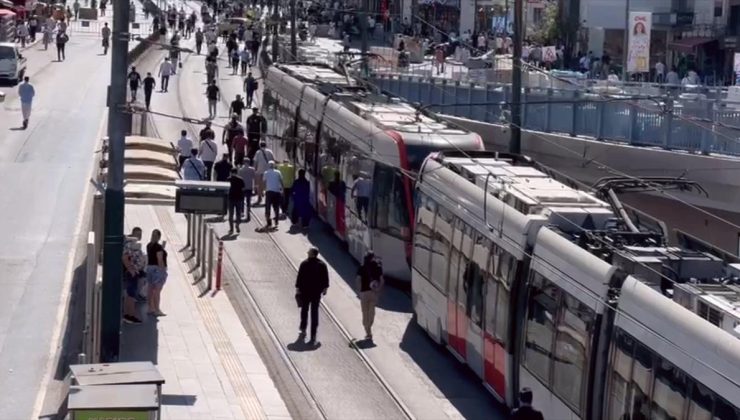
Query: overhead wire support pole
{"x": 363, "y": 37}
{"x": 515, "y": 141}
{"x": 293, "y": 30}
{"x": 114, "y": 198}
{"x": 274, "y": 21}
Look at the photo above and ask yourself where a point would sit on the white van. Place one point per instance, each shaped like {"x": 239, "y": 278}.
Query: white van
{"x": 12, "y": 63}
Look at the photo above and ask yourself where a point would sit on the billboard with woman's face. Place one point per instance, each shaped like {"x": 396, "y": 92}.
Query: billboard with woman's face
{"x": 638, "y": 47}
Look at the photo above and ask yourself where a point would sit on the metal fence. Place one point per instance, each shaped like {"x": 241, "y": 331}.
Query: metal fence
{"x": 94, "y": 27}
{"x": 704, "y": 123}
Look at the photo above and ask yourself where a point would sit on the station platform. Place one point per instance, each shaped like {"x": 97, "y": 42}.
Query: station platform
{"x": 210, "y": 365}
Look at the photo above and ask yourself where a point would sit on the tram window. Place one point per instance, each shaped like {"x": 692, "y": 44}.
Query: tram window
{"x": 542, "y": 304}
{"x": 475, "y": 293}
{"x": 467, "y": 271}
{"x": 492, "y": 290}
{"x": 306, "y": 142}
{"x": 669, "y": 392}
{"x": 455, "y": 257}
{"x": 621, "y": 374}
{"x": 571, "y": 350}
{"x": 700, "y": 404}
{"x": 502, "y": 313}
{"x": 389, "y": 201}
{"x": 423, "y": 237}
{"x": 642, "y": 373}
{"x": 724, "y": 411}
{"x": 441, "y": 248}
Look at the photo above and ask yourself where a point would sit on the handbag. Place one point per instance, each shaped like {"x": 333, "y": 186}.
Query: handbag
{"x": 299, "y": 300}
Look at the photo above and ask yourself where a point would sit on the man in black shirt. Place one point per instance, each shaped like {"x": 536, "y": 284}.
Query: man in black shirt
{"x": 237, "y": 106}
{"x": 213, "y": 94}
{"x": 256, "y": 127}
{"x": 311, "y": 283}
{"x": 134, "y": 78}
{"x": 222, "y": 168}
{"x": 525, "y": 410}
{"x": 250, "y": 86}
{"x": 236, "y": 200}
{"x": 207, "y": 132}
{"x": 149, "y": 84}
{"x": 231, "y": 130}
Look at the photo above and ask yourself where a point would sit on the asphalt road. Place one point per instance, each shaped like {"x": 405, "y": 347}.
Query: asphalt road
{"x": 44, "y": 172}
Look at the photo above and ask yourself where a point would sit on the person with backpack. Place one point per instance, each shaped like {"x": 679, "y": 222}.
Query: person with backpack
{"x": 193, "y": 168}
{"x": 370, "y": 280}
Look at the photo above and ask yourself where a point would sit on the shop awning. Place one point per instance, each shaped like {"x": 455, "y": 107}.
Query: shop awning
{"x": 688, "y": 45}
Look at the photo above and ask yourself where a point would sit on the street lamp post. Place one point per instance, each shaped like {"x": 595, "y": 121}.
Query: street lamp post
{"x": 515, "y": 141}
{"x": 114, "y": 199}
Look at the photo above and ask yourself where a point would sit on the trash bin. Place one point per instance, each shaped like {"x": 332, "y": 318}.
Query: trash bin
{"x": 129, "y": 373}
{"x": 130, "y": 402}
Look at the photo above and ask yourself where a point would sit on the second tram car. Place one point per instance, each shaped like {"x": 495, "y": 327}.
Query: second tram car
{"x": 340, "y": 131}
{"x": 511, "y": 272}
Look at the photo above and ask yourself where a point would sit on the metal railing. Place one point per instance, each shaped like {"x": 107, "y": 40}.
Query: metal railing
{"x": 697, "y": 123}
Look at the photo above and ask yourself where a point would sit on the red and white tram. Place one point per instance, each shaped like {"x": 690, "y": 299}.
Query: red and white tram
{"x": 330, "y": 124}
{"x": 511, "y": 271}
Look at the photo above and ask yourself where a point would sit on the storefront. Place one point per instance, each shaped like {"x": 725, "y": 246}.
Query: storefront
{"x": 442, "y": 14}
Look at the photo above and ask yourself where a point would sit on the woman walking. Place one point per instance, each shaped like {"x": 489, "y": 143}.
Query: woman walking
{"x": 156, "y": 271}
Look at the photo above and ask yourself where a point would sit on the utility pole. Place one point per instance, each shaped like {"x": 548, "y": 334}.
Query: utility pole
{"x": 114, "y": 200}
{"x": 515, "y": 142}
{"x": 293, "y": 29}
{"x": 363, "y": 34}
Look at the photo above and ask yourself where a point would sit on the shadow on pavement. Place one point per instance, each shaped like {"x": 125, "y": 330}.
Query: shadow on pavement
{"x": 175, "y": 399}
{"x": 140, "y": 342}
{"x": 459, "y": 384}
{"x": 334, "y": 253}
{"x": 300, "y": 344}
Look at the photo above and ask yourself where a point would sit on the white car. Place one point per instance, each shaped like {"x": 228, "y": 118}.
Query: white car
{"x": 12, "y": 62}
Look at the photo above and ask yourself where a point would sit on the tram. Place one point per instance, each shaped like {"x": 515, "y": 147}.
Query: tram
{"x": 341, "y": 131}
{"x": 532, "y": 283}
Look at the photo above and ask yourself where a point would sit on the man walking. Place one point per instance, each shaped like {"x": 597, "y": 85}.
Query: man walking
{"x": 525, "y": 410}
{"x": 250, "y": 86}
{"x": 256, "y": 126}
{"x": 165, "y": 71}
{"x": 311, "y": 283}
{"x": 262, "y": 160}
{"x": 287, "y": 170}
{"x": 370, "y": 280}
{"x": 26, "y": 92}
{"x": 237, "y": 106}
{"x": 193, "y": 168}
{"x": 198, "y": 41}
{"x": 134, "y": 79}
{"x": 105, "y": 34}
{"x": 134, "y": 263}
{"x": 223, "y": 168}
{"x": 247, "y": 173}
{"x": 214, "y": 95}
{"x": 231, "y": 129}
{"x": 236, "y": 200}
{"x": 207, "y": 153}
{"x": 184, "y": 146}
{"x": 273, "y": 182}
{"x": 239, "y": 145}
{"x": 149, "y": 84}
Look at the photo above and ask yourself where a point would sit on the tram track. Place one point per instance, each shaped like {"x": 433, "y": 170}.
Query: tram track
{"x": 251, "y": 299}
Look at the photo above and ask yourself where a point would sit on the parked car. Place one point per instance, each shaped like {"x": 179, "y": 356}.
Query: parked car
{"x": 12, "y": 62}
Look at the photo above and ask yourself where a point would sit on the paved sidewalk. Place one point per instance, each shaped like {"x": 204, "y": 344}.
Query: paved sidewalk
{"x": 212, "y": 369}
